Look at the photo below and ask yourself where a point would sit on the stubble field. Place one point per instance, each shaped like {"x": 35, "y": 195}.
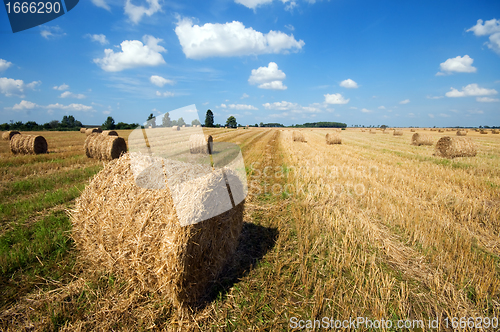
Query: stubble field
{"x": 374, "y": 228}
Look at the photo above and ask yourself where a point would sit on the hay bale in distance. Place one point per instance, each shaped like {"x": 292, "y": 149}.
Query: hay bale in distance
{"x": 92, "y": 131}
{"x": 109, "y": 133}
{"x": 452, "y": 147}
{"x": 484, "y": 132}
{"x": 104, "y": 147}
{"x": 421, "y": 139}
{"x": 372, "y": 132}
{"x": 333, "y": 138}
{"x": 8, "y": 135}
{"x": 461, "y": 133}
{"x": 83, "y": 130}
{"x": 397, "y": 132}
{"x": 441, "y": 130}
{"x": 495, "y": 131}
{"x": 176, "y": 128}
{"x": 28, "y": 144}
{"x": 298, "y": 136}
{"x": 199, "y": 143}
{"x": 412, "y": 130}
{"x": 136, "y": 233}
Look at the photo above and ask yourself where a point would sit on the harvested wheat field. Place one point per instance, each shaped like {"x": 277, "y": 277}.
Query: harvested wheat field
{"x": 376, "y": 228}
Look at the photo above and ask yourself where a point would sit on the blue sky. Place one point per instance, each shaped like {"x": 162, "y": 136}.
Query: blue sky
{"x": 400, "y": 63}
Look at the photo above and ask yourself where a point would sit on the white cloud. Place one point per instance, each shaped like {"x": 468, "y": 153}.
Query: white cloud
{"x": 471, "y": 90}
{"x": 160, "y": 81}
{"x": 134, "y": 54}
{"x": 335, "y": 98}
{"x": 231, "y": 39}
{"x": 406, "y": 101}
{"x": 71, "y": 107}
{"x": 475, "y": 112}
{"x": 101, "y": 4}
{"x": 135, "y": 13}
{"x": 101, "y": 39}
{"x": 381, "y": 107}
{"x": 241, "y": 107}
{"x": 11, "y": 87}
{"x": 353, "y": 108}
{"x": 348, "y": 83}
{"x": 443, "y": 115}
{"x": 458, "y": 65}
{"x": 68, "y": 94}
{"x": 269, "y": 77}
{"x": 24, "y": 105}
{"x": 48, "y": 32}
{"x": 62, "y": 87}
{"x": 290, "y": 27}
{"x": 411, "y": 115}
{"x": 492, "y": 28}
{"x": 290, "y": 6}
{"x": 434, "y": 97}
{"x": 431, "y": 115}
{"x": 165, "y": 94}
{"x": 364, "y": 110}
{"x": 293, "y": 107}
{"x": 487, "y": 99}
{"x": 4, "y": 64}
{"x": 223, "y": 105}
{"x": 252, "y": 4}
{"x": 244, "y": 96}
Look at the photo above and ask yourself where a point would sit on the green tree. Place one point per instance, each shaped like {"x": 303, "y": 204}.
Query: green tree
{"x": 151, "y": 121}
{"x": 196, "y": 122}
{"x": 109, "y": 124}
{"x": 166, "y": 122}
{"x": 261, "y": 124}
{"x": 209, "y": 119}
{"x": 231, "y": 122}
{"x": 181, "y": 122}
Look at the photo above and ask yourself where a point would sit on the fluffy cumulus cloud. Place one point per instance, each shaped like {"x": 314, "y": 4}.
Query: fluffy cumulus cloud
{"x": 49, "y": 32}
{"x": 160, "y": 81}
{"x": 231, "y": 39}
{"x": 471, "y": 90}
{"x": 292, "y": 108}
{"x": 348, "y": 83}
{"x": 335, "y": 98}
{"x": 135, "y": 13}
{"x": 4, "y": 64}
{"x": 101, "y": 4}
{"x": 457, "y": 65}
{"x": 403, "y": 102}
{"x": 269, "y": 77}
{"x": 24, "y": 105}
{"x": 11, "y": 87}
{"x": 134, "y": 54}
{"x": 491, "y": 28}
{"x": 61, "y": 87}
{"x": 365, "y": 110}
{"x": 101, "y": 39}
{"x": 165, "y": 94}
{"x": 68, "y": 94}
{"x": 71, "y": 107}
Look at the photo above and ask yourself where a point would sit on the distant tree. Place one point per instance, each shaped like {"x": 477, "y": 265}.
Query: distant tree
{"x": 54, "y": 124}
{"x": 109, "y": 124}
{"x": 231, "y": 122}
{"x": 174, "y": 123}
{"x": 196, "y": 122}
{"x": 261, "y": 124}
{"x": 151, "y": 121}
{"x": 383, "y": 126}
{"x": 166, "y": 122}
{"x": 256, "y": 125}
{"x": 209, "y": 119}
{"x": 31, "y": 125}
{"x": 4, "y": 126}
{"x": 181, "y": 122}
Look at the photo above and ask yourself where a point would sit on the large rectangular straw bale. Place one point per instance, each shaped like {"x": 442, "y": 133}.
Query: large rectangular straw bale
{"x": 8, "y": 134}
{"x": 421, "y": 139}
{"x": 333, "y": 138}
{"x": 28, "y": 144}
{"x": 104, "y": 147}
{"x": 298, "y": 136}
{"x": 451, "y": 147}
{"x": 135, "y": 232}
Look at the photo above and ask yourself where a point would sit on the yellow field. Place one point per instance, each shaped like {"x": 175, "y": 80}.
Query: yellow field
{"x": 373, "y": 228}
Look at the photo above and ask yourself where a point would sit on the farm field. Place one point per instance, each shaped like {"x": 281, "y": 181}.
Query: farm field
{"x": 373, "y": 227}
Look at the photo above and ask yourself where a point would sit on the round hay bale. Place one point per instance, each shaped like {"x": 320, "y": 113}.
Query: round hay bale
{"x": 451, "y": 147}
{"x": 137, "y": 233}
{"x": 28, "y": 144}
{"x": 441, "y": 130}
{"x": 412, "y": 130}
{"x": 495, "y": 131}
{"x": 92, "y": 131}
{"x": 372, "y": 132}
{"x": 109, "y": 133}
{"x": 8, "y": 134}
{"x": 461, "y": 133}
{"x": 83, "y": 130}
{"x": 385, "y": 132}
{"x": 298, "y": 136}
{"x": 176, "y": 128}
{"x": 484, "y": 132}
{"x": 397, "y": 132}
{"x": 200, "y": 143}
{"x": 104, "y": 147}
{"x": 333, "y": 138}
{"x": 421, "y": 139}
{"x": 183, "y": 126}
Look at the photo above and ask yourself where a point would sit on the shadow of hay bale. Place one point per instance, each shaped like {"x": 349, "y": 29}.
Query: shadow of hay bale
{"x": 254, "y": 242}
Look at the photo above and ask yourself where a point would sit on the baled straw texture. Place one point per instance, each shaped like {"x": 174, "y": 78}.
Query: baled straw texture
{"x": 83, "y": 130}
{"x": 333, "y": 138}
{"x": 441, "y": 130}
{"x": 372, "y": 131}
{"x": 451, "y": 147}
{"x": 385, "y": 132}
{"x": 109, "y": 133}
{"x": 28, "y": 144}
{"x": 495, "y": 131}
{"x": 8, "y": 134}
{"x": 298, "y": 136}
{"x": 199, "y": 143}
{"x": 135, "y": 232}
{"x": 176, "y": 128}
{"x": 397, "y": 132}
{"x": 421, "y": 139}
{"x": 104, "y": 147}
{"x": 92, "y": 131}
{"x": 461, "y": 133}
{"x": 412, "y": 130}
{"x": 484, "y": 132}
